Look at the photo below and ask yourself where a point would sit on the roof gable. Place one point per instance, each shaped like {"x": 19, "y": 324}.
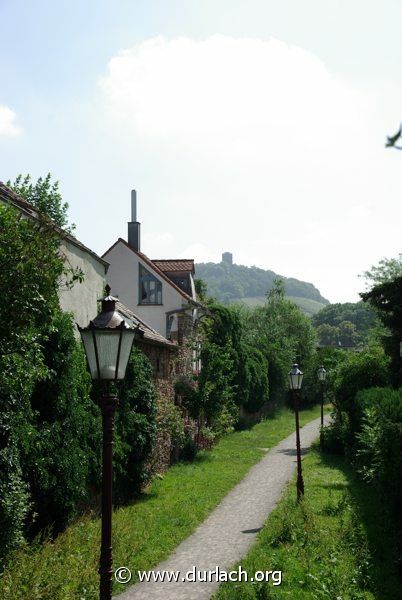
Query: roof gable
{"x": 154, "y": 268}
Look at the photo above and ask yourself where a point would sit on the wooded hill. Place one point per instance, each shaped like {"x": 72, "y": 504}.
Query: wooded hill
{"x": 230, "y": 283}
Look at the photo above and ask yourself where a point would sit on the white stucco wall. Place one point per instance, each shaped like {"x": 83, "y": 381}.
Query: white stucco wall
{"x": 81, "y": 300}
{"x": 122, "y": 276}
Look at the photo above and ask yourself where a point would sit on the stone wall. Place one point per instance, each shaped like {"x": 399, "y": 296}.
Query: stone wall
{"x": 168, "y": 364}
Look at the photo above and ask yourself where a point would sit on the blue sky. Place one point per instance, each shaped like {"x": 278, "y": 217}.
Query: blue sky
{"x": 256, "y": 127}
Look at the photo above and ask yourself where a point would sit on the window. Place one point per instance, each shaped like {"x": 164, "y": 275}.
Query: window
{"x": 169, "y": 323}
{"x": 150, "y": 288}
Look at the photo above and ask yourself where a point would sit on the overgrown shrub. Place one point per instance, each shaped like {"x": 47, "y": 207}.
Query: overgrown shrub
{"x": 189, "y": 450}
{"x": 29, "y": 273}
{"x": 63, "y": 451}
{"x": 370, "y": 430}
{"x": 361, "y": 370}
{"x": 15, "y": 503}
{"x": 251, "y": 378}
{"x": 135, "y": 428}
{"x": 336, "y": 436}
{"x": 379, "y": 441}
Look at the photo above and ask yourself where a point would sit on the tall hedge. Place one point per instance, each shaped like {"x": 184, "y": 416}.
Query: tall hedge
{"x": 61, "y": 457}
{"x": 29, "y": 272}
{"x": 377, "y": 444}
{"x": 135, "y": 428}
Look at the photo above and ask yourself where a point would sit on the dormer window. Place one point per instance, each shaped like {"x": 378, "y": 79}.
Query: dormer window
{"x": 150, "y": 288}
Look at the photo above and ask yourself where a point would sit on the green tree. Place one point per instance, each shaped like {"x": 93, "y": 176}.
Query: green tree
{"x": 386, "y": 298}
{"x": 348, "y": 334}
{"x": 328, "y": 335}
{"x": 283, "y": 334}
{"x": 215, "y": 397}
{"x": 29, "y": 270}
{"x": 387, "y": 270}
{"x": 360, "y": 314}
{"x": 201, "y": 289}
{"x": 44, "y": 196}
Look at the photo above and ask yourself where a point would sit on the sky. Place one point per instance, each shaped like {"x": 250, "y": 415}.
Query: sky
{"x": 255, "y": 127}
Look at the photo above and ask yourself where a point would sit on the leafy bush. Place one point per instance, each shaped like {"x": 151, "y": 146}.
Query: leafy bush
{"x": 189, "y": 450}
{"x": 135, "y": 428}
{"x": 64, "y": 440}
{"x": 251, "y": 379}
{"x": 216, "y": 387}
{"x": 15, "y": 504}
{"x": 370, "y": 428}
{"x": 336, "y": 436}
{"x": 379, "y": 441}
{"x": 360, "y": 371}
{"x": 30, "y": 268}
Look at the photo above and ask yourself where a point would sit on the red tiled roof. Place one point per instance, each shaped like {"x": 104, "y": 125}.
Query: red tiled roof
{"x": 173, "y": 264}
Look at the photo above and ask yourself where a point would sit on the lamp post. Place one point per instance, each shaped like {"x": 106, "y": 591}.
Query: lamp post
{"x": 107, "y": 341}
{"x": 322, "y": 374}
{"x": 295, "y": 382}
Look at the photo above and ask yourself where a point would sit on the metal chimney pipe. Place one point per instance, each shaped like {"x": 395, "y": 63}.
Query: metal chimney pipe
{"x": 133, "y": 206}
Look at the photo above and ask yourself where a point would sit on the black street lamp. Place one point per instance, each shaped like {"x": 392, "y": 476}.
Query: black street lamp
{"x": 295, "y": 382}
{"x": 322, "y": 374}
{"x": 107, "y": 341}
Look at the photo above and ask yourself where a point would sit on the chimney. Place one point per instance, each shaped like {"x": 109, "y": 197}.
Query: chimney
{"x": 134, "y": 228}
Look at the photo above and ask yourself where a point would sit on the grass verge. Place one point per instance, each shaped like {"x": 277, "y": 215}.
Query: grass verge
{"x": 146, "y": 531}
{"x": 332, "y": 546}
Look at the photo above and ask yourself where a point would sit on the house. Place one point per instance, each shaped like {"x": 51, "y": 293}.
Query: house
{"x": 166, "y": 356}
{"x": 80, "y": 299}
{"x": 161, "y": 292}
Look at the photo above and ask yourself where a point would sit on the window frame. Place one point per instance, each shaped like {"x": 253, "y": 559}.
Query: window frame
{"x": 146, "y": 279}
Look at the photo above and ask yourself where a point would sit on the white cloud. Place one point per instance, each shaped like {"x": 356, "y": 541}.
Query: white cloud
{"x": 200, "y": 253}
{"x": 8, "y": 127}
{"x": 255, "y": 147}
{"x": 228, "y": 94}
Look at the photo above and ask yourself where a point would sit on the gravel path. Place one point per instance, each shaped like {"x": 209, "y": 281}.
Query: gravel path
{"x": 226, "y": 535}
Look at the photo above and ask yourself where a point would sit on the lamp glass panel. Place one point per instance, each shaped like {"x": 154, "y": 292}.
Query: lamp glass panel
{"x": 108, "y": 345}
{"x": 321, "y": 374}
{"x": 300, "y": 380}
{"x": 87, "y": 340}
{"x": 125, "y": 350}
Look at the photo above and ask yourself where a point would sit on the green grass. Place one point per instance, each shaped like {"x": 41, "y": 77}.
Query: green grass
{"x": 147, "y": 531}
{"x": 333, "y": 545}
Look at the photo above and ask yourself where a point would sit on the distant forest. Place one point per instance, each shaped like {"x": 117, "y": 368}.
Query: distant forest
{"x": 347, "y": 324}
{"x": 229, "y": 282}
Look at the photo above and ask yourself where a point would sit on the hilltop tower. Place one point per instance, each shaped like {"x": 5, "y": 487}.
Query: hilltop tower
{"x": 227, "y": 257}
